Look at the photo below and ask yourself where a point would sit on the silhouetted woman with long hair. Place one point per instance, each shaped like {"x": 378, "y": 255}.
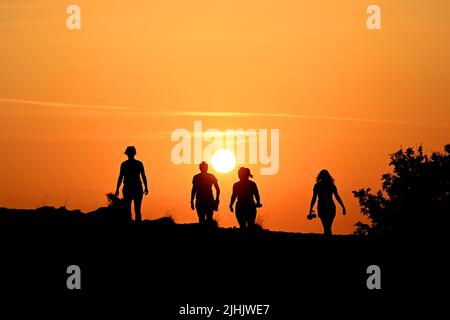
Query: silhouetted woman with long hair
{"x": 246, "y": 193}
{"x": 324, "y": 189}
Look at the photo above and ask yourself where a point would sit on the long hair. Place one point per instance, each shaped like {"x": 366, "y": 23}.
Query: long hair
{"x": 325, "y": 177}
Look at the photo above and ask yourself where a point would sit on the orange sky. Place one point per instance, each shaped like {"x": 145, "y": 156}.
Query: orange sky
{"x": 351, "y": 96}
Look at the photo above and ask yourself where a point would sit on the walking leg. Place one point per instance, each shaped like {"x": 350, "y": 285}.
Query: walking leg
{"x": 137, "y": 207}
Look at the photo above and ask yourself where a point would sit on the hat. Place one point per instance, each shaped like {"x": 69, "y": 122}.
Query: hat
{"x": 130, "y": 150}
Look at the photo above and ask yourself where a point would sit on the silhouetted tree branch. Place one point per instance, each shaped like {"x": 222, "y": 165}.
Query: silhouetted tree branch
{"x": 414, "y": 197}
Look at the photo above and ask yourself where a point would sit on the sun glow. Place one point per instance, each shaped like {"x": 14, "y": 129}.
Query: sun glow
{"x": 223, "y": 160}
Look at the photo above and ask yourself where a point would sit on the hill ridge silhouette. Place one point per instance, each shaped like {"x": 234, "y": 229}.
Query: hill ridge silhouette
{"x": 60, "y": 217}
{"x": 166, "y": 259}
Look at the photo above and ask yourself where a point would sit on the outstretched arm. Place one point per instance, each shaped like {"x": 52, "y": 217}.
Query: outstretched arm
{"x": 193, "y": 192}
{"x": 119, "y": 180}
{"x": 313, "y": 201}
{"x": 144, "y": 179}
{"x": 216, "y": 186}
{"x": 338, "y": 198}
{"x": 233, "y": 199}
{"x": 257, "y": 197}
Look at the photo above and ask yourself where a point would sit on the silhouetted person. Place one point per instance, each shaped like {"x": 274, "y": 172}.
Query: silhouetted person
{"x": 202, "y": 191}
{"x": 246, "y": 192}
{"x": 324, "y": 189}
{"x": 131, "y": 171}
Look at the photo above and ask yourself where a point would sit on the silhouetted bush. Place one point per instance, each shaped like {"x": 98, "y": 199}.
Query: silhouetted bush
{"x": 115, "y": 212}
{"x": 415, "y": 197}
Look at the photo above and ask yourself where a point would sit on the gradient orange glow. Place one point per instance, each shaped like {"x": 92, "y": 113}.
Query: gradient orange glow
{"x": 342, "y": 96}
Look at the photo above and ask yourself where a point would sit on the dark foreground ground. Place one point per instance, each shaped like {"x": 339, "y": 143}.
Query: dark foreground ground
{"x": 160, "y": 267}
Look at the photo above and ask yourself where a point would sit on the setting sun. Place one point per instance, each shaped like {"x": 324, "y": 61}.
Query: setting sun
{"x": 223, "y": 160}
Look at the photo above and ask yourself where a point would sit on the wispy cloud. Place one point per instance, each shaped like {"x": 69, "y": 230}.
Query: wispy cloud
{"x": 151, "y": 135}
{"x": 132, "y": 111}
{"x": 59, "y": 105}
{"x": 301, "y": 116}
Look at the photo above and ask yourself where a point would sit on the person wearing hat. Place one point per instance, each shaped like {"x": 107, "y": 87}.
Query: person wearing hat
{"x": 131, "y": 172}
{"x": 246, "y": 192}
{"x": 202, "y": 191}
